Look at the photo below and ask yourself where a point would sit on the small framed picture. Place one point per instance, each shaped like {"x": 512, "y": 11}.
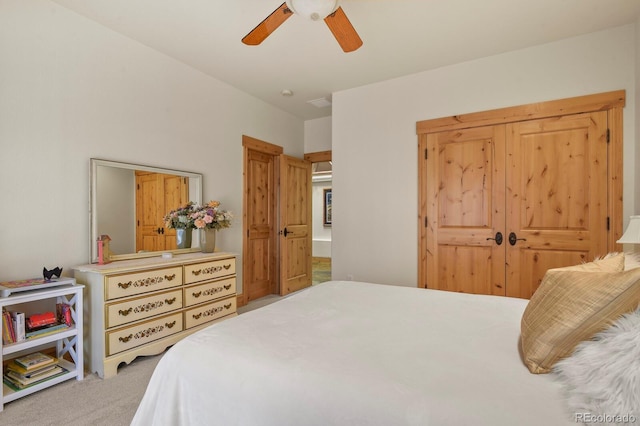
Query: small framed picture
{"x": 327, "y": 207}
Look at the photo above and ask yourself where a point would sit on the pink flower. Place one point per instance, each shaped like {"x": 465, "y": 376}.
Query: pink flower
{"x": 208, "y": 219}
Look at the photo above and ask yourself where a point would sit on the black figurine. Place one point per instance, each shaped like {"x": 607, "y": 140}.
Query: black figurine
{"x": 57, "y": 271}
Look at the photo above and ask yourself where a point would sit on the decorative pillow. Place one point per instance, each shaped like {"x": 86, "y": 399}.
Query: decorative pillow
{"x": 602, "y": 376}
{"x": 612, "y": 262}
{"x": 572, "y": 306}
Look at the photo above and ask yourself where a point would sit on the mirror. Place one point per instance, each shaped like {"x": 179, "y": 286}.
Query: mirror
{"x": 128, "y": 202}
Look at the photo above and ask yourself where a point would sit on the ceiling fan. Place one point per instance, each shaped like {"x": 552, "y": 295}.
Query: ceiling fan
{"x": 315, "y": 10}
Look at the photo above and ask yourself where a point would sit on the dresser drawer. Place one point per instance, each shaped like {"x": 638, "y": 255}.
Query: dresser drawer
{"x": 205, "y": 313}
{"x": 142, "y": 282}
{"x": 209, "y": 291}
{"x": 142, "y": 307}
{"x": 197, "y": 272}
{"x": 136, "y": 335}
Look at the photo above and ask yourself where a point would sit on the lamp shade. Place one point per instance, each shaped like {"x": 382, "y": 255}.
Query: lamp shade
{"x": 632, "y": 234}
{"x": 314, "y": 10}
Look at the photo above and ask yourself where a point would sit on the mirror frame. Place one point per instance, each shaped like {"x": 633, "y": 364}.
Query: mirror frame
{"x": 95, "y": 162}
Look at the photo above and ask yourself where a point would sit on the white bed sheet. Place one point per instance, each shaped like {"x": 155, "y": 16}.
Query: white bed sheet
{"x": 349, "y": 353}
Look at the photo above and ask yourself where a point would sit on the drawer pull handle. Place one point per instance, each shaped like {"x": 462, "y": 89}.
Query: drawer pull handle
{"x": 227, "y": 306}
{"x": 126, "y": 312}
{"x": 170, "y": 277}
{"x": 198, "y": 294}
{"x": 170, "y": 325}
{"x": 125, "y": 285}
{"x": 196, "y": 273}
{"x": 126, "y": 339}
{"x": 227, "y": 287}
{"x": 227, "y": 266}
{"x": 170, "y": 301}
{"x": 197, "y": 316}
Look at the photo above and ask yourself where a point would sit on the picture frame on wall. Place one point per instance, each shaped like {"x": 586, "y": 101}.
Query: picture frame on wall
{"x": 327, "y": 207}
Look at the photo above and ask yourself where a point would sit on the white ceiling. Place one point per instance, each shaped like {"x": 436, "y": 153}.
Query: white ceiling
{"x": 400, "y": 37}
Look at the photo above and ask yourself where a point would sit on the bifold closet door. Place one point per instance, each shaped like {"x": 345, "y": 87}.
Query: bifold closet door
{"x": 465, "y": 211}
{"x": 556, "y": 192}
{"x": 505, "y": 203}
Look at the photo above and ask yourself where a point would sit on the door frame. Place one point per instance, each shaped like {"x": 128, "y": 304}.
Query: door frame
{"x": 274, "y": 150}
{"x": 249, "y": 143}
{"x": 612, "y": 102}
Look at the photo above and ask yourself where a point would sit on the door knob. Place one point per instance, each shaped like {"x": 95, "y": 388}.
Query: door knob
{"x": 497, "y": 239}
{"x": 513, "y": 238}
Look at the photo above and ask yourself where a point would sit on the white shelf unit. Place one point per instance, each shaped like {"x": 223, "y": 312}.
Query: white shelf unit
{"x": 67, "y": 341}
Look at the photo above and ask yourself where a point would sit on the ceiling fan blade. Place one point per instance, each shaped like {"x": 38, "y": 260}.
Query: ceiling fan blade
{"x": 269, "y": 25}
{"x": 343, "y": 31}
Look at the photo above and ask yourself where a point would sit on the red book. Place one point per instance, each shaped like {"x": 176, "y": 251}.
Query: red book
{"x": 39, "y": 320}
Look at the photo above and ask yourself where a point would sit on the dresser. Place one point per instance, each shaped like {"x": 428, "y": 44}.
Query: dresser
{"x": 142, "y": 306}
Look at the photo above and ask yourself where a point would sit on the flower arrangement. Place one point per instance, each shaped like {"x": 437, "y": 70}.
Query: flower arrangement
{"x": 181, "y": 218}
{"x": 210, "y": 216}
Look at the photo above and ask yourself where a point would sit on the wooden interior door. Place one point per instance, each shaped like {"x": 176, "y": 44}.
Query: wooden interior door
{"x": 556, "y": 184}
{"x": 260, "y": 276}
{"x": 465, "y": 210}
{"x": 156, "y": 195}
{"x": 295, "y": 224}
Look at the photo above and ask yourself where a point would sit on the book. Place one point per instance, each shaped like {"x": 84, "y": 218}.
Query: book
{"x": 22, "y": 380}
{"x": 64, "y": 314}
{"x": 40, "y": 320}
{"x": 35, "y": 360}
{"x": 13, "y": 366}
{"x": 8, "y": 334}
{"x": 18, "y": 325}
{"x": 16, "y": 385}
{"x": 9, "y": 287}
{"x": 44, "y": 331}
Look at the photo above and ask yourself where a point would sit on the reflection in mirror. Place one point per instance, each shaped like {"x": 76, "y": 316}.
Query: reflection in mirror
{"x": 128, "y": 203}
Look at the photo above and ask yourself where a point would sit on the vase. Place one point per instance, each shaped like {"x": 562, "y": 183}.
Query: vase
{"x": 183, "y": 238}
{"x": 207, "y": 240}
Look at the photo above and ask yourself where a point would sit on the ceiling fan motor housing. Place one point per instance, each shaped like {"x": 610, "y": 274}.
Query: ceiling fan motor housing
{"x": 314, "y": 10}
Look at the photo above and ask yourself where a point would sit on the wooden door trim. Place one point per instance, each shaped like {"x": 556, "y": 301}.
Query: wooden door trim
{"x": 249, "y": 143}
{"x": 615, "y": 178}
{"x": 262, "y": 146}
{"x": 612, "y": 102}
{"x": 318, "y": 157}
{"x": 589, "y": 103}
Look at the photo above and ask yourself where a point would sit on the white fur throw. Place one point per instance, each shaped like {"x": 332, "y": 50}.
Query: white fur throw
{"x": 601, "y": 379}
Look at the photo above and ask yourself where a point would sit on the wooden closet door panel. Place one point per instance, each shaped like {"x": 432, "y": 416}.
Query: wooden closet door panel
{"x": 465, "y": 209}
{"x": 556, "y": 196}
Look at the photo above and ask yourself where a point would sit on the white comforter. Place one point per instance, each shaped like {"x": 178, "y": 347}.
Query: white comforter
{"x": 348, "y": 353}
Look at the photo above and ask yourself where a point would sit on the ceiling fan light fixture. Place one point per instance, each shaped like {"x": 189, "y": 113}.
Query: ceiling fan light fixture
{"x": 314, "y": 10}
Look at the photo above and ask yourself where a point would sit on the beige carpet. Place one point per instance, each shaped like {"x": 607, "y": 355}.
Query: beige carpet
{"x": 92, "y": 401}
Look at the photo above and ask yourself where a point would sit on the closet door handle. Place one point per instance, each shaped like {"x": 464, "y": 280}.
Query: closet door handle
{"x": 513, "y": 238}
{"x": 497, "y": 239}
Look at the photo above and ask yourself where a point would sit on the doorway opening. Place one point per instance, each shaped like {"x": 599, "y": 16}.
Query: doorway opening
{"x": 321, "y": 176}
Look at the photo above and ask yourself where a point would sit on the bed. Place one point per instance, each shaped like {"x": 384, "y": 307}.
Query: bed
{"x": 351, "y": 353}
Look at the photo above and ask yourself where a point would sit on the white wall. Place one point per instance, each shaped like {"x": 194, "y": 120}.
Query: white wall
{"x": 116, "y": 207}
{"x": 321, "y": 233}
{"x": 636, "y": 210}
{"x": 375, "y": 234}
{"x": 317, "y": 135}
{"x": 71, "y": 90}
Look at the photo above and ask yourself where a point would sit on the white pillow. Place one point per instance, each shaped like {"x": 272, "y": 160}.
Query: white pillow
{"x": 602, "y": 376}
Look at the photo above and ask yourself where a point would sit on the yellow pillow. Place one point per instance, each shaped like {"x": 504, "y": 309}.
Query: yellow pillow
{"x": 612, "y": 262}
{"x": 571, "y": 306}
